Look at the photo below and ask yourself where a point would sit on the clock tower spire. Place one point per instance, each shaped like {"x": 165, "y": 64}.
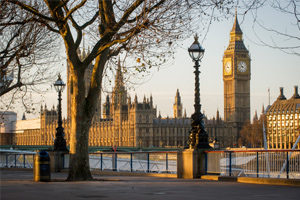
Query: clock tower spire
{"x": 236, "y": 77}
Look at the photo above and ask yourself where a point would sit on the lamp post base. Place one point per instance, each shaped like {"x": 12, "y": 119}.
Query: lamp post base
{"x": 190, "y": 163}
{"x": 57, "y": 160}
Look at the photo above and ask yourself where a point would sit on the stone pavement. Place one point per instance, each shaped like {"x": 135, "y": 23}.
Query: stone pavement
{"x": 20, "y": 185}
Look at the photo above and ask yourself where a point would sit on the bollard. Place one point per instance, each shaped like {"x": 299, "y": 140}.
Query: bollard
{"x": 42, "y": 166}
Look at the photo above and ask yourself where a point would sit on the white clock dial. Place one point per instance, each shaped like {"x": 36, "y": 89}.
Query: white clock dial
{"x": 228, "y": 67}
{"x": 242, "y": 66}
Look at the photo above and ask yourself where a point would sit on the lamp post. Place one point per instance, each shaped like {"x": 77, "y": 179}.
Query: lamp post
{"x": 59, "y": 142}
{"x": 198, "y": 138}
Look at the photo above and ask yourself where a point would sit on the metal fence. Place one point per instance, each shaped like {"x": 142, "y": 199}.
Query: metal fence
{"x": 250, "y": 163}
{"x": 17, "y": 160}
{"x": 147, "y": 162}
{"x": 254, "y": 163}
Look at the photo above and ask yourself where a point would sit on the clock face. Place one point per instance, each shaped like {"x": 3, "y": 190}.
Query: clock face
{"x": 228, "y": 67}
{"x": 242, "y": 66}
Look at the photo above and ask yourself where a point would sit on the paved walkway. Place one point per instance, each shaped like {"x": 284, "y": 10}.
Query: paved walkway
{"x": 20, "y": 185}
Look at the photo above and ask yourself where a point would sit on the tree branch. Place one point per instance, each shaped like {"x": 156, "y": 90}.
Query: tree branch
{"x": 6, "y": 90}
{"x": 127, "y": 13}
{"x": 90, "y": 21}
{"x": 69, "y": 13}
{"x": 31, "y": 10}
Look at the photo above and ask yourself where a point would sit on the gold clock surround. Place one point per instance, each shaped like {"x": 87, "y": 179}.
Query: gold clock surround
{"x": 228, "y": 67}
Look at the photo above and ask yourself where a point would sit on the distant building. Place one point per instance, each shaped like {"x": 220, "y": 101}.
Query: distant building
{"x": 283, "y": 121}
{"x": 8, "y": 121}
{"x": 124, "y": 123}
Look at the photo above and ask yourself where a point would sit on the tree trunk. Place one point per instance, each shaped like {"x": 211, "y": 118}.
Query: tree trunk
{"x": 79, "y": 168}
{"x": 82, "y": 112}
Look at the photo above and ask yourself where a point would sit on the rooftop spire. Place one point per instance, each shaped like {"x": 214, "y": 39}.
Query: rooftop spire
{"x": 119, "y": 75}
{"x": 236, "y": 37}
{"x": 281, "y": 96}
{"x": 236, "y": 26}
{"x": 255, "y": 118}
{"x": 177, "y": 98}
{"x": 24, "y": 117}
{"x": 135, "y": 99}
{"x": 119, "y": 96}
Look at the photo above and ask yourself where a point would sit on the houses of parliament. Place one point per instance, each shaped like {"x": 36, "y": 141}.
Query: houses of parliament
{"x": 129, "y": 122}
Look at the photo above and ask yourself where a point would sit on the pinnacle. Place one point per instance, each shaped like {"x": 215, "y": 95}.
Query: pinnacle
{"x": 236, "y": 27}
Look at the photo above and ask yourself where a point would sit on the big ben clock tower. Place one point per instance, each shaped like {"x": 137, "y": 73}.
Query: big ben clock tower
{"x": 236, "y": 77}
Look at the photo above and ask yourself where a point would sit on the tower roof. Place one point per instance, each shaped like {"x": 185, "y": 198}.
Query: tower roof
{"x": 236, "y": 26}
{"x": 236, "y": 42}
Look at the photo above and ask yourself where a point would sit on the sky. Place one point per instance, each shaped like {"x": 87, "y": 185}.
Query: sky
{"x": 270, "y": 68}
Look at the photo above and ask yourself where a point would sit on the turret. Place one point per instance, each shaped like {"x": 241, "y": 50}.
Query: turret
{"x": 177, "y": 106}
{"x": 263, "y": 109}
{"x": 151, "y": 101}
{"x": 218, "y": 116}
{"x": 296, "y": 95}
{"x": 255, "y": 118}
{"x": 135, "y": 99}
{"x": 119, "y": 96}
{"x": 106, "y": 108}
{"x": 281, "y": 95}
{"x": 24, "y": 117}
{"x": 129, "y": 101}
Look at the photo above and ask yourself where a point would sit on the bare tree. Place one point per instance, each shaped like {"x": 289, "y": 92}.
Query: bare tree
{"x": 24, "y": 56}
{"x": 251, "y": 134}
{"x": 283, "y": 38}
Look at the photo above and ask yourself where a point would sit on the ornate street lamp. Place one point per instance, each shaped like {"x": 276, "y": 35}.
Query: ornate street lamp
{"x": 198, "y": 138}
{"x": 59, "y": 142}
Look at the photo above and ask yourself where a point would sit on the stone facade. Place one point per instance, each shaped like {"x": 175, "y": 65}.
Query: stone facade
{"x": 283, "y": 121}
